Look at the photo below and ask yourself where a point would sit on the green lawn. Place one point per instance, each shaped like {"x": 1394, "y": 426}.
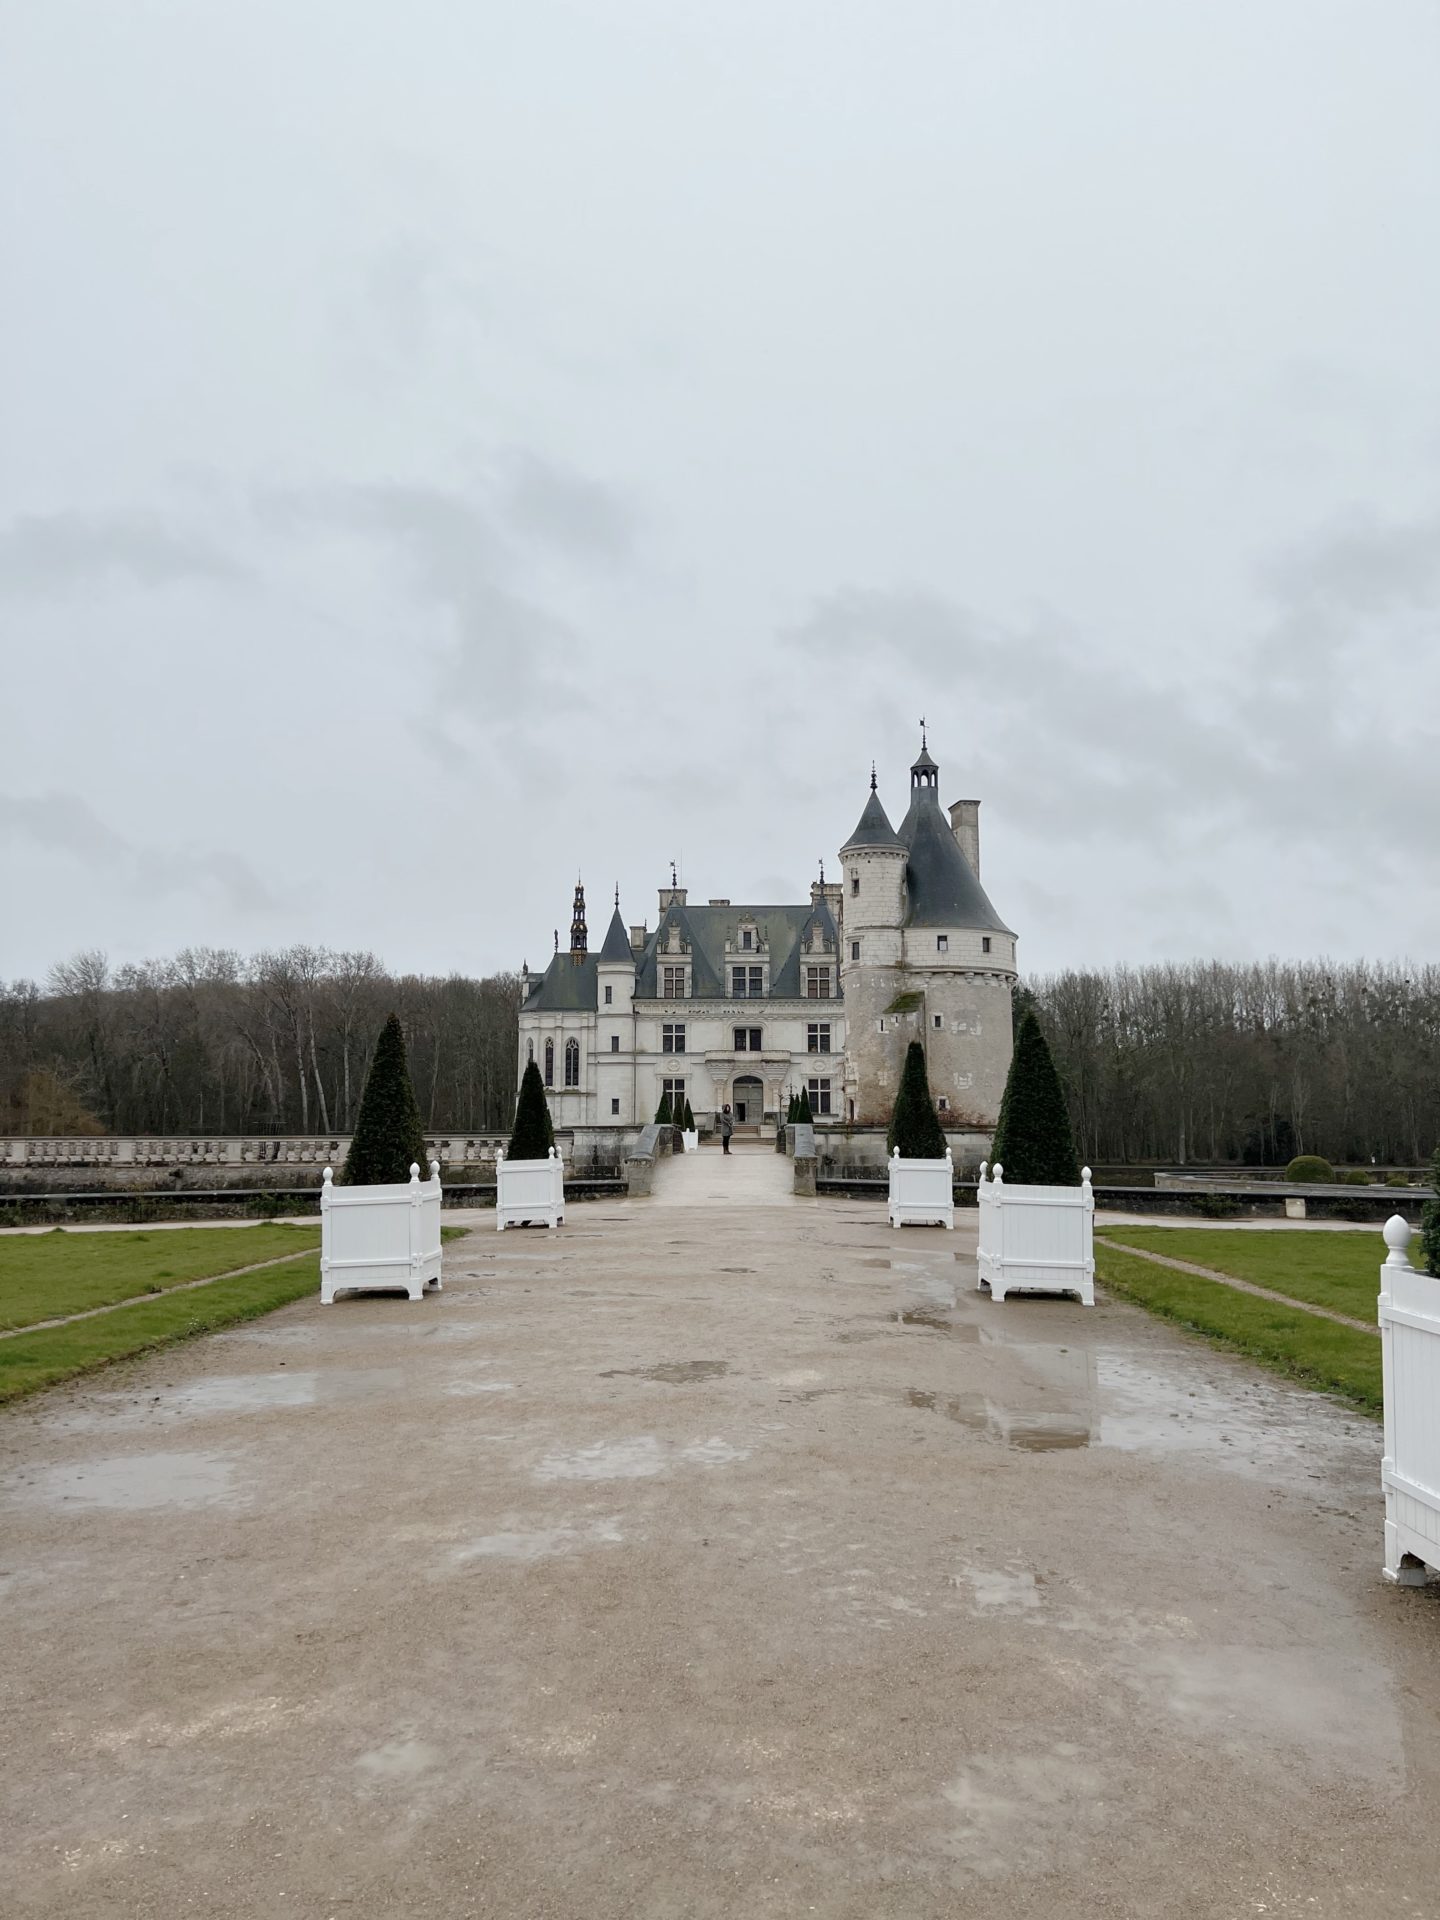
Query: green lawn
{"x": 46, "y": 1275}
{"x": 1336, "y": 1270}
{"x": 1288, "y": 1340}
{"x": 32, "y": 1360}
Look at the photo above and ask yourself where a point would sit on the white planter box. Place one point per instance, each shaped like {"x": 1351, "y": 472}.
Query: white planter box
{"x": 1410, "y": 1360}
{"x": 692, "y": 1140}
{"x": 380, "y": 1239}
{"x": 529, "y": 1190}
{"x": 1036, "y": 1239}
{"x": 922, "y": 1192}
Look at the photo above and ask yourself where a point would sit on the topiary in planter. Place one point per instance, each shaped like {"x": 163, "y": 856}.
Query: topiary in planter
{"x": 533, "y": 1134}
{"x": 1310, "y": 1166}
{"x": 388, "y": 1138}
{"x": 1430, "y": 1222}
{"x": 803, "y": 1115}
{"x": 1033, "y": 1142}
{"x": 689, "y": 1121}
{"x": 663, "y": 1116}
{"x": 914, "y": 1125}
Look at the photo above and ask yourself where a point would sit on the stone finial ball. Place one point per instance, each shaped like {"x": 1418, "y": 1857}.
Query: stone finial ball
{"x": 1397, "y": 1238}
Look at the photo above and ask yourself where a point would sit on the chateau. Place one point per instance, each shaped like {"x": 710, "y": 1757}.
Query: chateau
{"x": 724, "y": 1004}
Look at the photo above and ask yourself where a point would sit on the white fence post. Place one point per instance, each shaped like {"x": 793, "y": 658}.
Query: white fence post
{"x": 1409, "y": 1311}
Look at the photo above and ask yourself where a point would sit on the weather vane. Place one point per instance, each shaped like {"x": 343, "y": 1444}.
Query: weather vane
{"x": 923, "y": 741}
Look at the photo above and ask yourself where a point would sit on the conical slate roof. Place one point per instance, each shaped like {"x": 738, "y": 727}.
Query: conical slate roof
{"x": 617, "y": 941}
{"x": 940, "y": 888}
{"x": 874, "y": 829}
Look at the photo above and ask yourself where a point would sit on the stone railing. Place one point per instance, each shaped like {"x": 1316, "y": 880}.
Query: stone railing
{"x": 654, "y": 1143}
{"x": 227, "y": 1150}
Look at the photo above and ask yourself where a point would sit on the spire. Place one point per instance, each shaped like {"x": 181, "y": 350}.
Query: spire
{"x": 874, "y": 828}
{"x": 617, "y": 941}
{"x": 579, "y": 938}
{"x": 925, "y": 773}
{"x": 874, "y": 783}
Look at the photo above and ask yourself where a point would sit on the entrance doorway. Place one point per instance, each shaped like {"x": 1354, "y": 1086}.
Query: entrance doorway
{"x": 748, "y": 1100}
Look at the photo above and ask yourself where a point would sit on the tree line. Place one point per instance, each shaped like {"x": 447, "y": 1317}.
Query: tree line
{"x": 211, "y": 1042}
{"x": 1202, "y": 1062}
{"x": 1210, "y": 1061}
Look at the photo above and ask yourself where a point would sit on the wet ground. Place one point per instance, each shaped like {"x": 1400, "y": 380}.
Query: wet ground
{"x": 737, "y": 1562}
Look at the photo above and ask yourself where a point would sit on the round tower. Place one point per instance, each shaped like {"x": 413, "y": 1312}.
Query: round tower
{"x": 871, "y": 956}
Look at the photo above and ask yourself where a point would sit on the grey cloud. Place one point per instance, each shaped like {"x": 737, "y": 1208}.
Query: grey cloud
{"x": 64, "y": 823}
{"x": 575, "y": 515}
{"x": 49, "y": 553}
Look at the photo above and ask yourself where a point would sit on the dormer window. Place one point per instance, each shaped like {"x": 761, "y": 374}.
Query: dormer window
{"x": 747, "y": 939}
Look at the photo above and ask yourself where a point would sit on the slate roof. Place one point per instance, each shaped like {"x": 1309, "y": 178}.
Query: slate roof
{"x": 566, "y": 986}
{"x": 940, "y": 888}
{"x": 617, "y": 940}
{"x": 782, "y": 929}
{"x": 874, "y": 829}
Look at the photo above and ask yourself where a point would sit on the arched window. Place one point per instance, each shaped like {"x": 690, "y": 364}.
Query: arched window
{"x": 572, "y": 1063}
{"x": 549, "y": 1063}
{"x": 530, "y": 1050}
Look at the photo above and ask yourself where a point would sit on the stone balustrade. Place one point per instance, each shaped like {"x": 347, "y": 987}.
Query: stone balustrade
{"x": 233, "y": 1150}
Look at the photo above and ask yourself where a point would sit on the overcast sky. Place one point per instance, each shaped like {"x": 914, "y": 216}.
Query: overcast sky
{"x": 443, "y": 447}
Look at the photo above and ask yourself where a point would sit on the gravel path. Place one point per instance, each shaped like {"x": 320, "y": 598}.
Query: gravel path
{"x": 734, "y": 1561}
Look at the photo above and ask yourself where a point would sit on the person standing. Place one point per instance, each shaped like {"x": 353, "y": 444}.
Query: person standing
{"x": 727, "y": 1127}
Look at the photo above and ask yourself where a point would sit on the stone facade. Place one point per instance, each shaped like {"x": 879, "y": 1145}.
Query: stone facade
{"x": 743, "y": 1005}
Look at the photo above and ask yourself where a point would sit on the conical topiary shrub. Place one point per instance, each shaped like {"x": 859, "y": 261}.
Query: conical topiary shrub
{"x": 388, "y": 1138}
{"x": 1033, "y": 1142}
{"x": 803, "y": 1115}
{"x": 689, "y": 1120}
{"x": 1430, "y": 1222}
{"x": 663, "y": 1116}
{"x": 914, "y": 1125}
{"x": 533, "y": 1134}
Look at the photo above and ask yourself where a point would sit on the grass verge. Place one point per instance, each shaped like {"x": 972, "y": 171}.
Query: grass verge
{"x": 34, "y": 1360}
{"x": 1336, "y": 1270}
{"x": 44, "y": 1276}
{"x": 1287, "y": 1340}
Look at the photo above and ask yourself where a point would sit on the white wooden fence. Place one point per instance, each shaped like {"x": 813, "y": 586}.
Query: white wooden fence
{"x": 1410, "y": 1359}
{"x": 529, "y": 1190}
{"x": 384, "y": 1238}
{"x": 1036, "y": 1239}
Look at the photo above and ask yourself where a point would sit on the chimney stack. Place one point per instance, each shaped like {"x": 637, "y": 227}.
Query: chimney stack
{"x": 638, "y": 937}
{"x": 965, "y": 825}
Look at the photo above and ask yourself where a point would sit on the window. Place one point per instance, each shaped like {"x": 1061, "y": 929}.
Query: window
{"x": 854, "y": 886}
{"x": 939, "y": 1021}
{"x": 747, "y": 1040}
{"x": 854, "y": 949}
{"x": 675, "y": 1093}
{"x": 747, "y": 939}
{"x": 673, "y": 983}
{"x": 572, "y": 1063}
{"x": 529, "y": 1050}
{"x": 819, "y": 1096}
{"x": 615, "y": 1106}
{"x": 817, "y": 983}
{"x": 549, "y": 1063}
{"x": 614, "y": 1043}
{"x": 942, "y": 943}
{"x": 672, "y": 1037}
{"x": 819, "y": 1036}
{"x": 747, "y": 983}
{"x": 985, "y": 943}
{"x": 943, "y": 1104}
{"x": 609, "y": 996}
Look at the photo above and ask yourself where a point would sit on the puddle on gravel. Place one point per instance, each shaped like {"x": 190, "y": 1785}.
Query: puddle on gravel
{"x": 672, "y": 1373}
{"x": 543, "y": 1543}
{"x": 1029, "y": 1432}
{"x": 936, "y": 1321}
{"x": 399, "y": 1760}
{"x": 133, "y": 1483}
{"x": 636, "y": 1459}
